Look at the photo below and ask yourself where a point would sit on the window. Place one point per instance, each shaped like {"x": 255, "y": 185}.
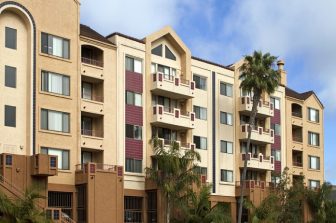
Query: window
{"x": 314, "y": 183}
{"x": 157, "y": 50}
{"x": 133, "y": 209}
{"x": 225, "y": 118}
{"x": 55, "y": 120}
{"x": 55, "y": 46}
{"x": 61, "y": 200}
{"x": 226, "y": 147}
{"x": 9, "y": 160}
{"x": 10, "y": 116}
{"x": 200, "y": 142}
{"x": 201, "y": 170}
{"x": 62, "y": 156}
{"x": 276, "y": 154}
{"x": 275, "y": 102}
{"x": 226, "y": 89}
{"x": 200, "y": 82}
{"x": 314, "y": 162}
{"x": 10, "y": 38}
{"x": 134, "y": 132}
{"x": 313, "y": 115}
{"x": 169, "y": 54}
{"x": 134, "y": 65}
{"x": 313, "y": 139}
{"x": 227, "y": 175}
{"x": 200, "y": 112}
{"x": 276, "y": 128}
{"x": 10, "y": 76}
{"x": 55, "y": 83}
{"x": 275, "y": 179}
{"x": 133, "y": 98}
{"x": 133, "y": 165}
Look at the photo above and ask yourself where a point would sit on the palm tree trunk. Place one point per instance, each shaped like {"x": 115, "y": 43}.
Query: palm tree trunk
{"x": 168, "y": 208}
{"x": 256, "y": 99}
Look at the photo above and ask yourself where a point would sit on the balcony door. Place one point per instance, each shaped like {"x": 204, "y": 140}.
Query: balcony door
{"x": 87, "y": 126}
{"x": 86, "y": 157}
{"x": 86, "y": 90}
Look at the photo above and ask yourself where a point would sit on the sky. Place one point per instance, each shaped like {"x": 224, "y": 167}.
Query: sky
{"x": 301, "y": 32}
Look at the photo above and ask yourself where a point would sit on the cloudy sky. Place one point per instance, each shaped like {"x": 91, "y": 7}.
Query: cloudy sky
{"x": 302, "y": 32}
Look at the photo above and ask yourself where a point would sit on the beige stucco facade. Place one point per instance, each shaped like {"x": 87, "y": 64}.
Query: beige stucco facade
{"x": 93, "y": 149}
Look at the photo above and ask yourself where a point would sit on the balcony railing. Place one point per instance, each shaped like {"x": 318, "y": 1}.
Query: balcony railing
{"x": 258, "y": 157}
{"x": 96, "y": 166}
{"x": 183, "y": 145}
{"x": 173, "y": 116}
{"x": 93, "y": 62}
{"x": 251, "y": 184}
{"x": 297, "y": 114}
{"x": 94, "y": 133}
{"x": 298, "y": 164}
{"x": 94, "y": 98}
{"x": 297, "y": 138}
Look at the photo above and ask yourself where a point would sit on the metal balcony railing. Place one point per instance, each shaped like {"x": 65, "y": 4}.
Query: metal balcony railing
{"x": 93, "y": 62}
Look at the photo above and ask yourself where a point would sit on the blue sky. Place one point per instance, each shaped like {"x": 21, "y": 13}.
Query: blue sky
{"x": 302, "y": 32}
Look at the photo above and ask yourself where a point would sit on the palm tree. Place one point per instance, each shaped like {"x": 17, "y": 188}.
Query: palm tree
{"x": 22, "y": 210}
{"x": 200, "y": 210}
{"x": 174, "y": 174}
{"x": 258, "y": 77}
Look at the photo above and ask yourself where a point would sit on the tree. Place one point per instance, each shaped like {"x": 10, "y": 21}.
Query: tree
{"x": 22, "y": 210}
{"x": 283, "y": 205}
{"x": 200, "y": 211}
{"x": 321, "y": 205}
{"x": 258, "y": 77}
{"x": 175, "y": 173}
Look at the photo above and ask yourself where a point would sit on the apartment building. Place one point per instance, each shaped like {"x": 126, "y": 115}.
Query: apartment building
{"x": 80, "y": 109}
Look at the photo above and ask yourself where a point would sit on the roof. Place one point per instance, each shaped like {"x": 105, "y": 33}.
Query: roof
{"x": 126, "y": 36}
{"x": 92, "y": 34}
{"x": 213, "y": 63}
{"x": 301, "y": 96}
{"x": 142, "y": 41}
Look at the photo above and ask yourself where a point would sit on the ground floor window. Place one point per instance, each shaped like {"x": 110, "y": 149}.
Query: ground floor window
{"x": 133, "y": 209}
{"x": 152, "y": 206}
{"x": 61, "y": 200}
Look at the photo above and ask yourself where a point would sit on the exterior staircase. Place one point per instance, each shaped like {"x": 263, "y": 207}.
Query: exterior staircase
{"x": 55, "y": 214}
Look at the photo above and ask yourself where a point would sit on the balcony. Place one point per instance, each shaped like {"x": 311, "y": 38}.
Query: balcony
{"x": 259, "y": 135}
{"x": 182, "y": 145}
{"x": 260, "y": 188}
{"x": 172, "y": 87}
{"x": 172, "y": 118}
{"x": 265, "y": 108}
{"x": 44, "y": 165}
{"x": 255, "y": 161}
{"x": 92, "y": 139}
{"x": 84, "y": 172}
{"x": 94, "y": 105}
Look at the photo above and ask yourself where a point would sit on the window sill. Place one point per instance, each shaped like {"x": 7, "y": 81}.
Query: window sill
{"x": 64, "y": 171}
{"x": 92, "y": 137}
{"x": 226, "y": 183}
{"x": 314, "y": 147}
{"x": 54, "y": 132}
{"x": 55, "y": 95}
{"x": 55, "y": 57}
{"x": 135, "y": 174}
{"x": 312, "y": 122}
{"x": 315, "y": 170}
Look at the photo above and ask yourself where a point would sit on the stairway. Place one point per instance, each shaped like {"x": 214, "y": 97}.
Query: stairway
{"x": 11, "y": 190}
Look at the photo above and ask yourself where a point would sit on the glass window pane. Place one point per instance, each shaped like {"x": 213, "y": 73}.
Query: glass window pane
{"x": 129, "y": 131}
{"x": 66, "y": 85}
{"x": 229, "y": 147}
{"x": 65, "y": 122}
{"x": 157, "y": 50}
{"x": 55, "y": 82}
{"x": 87, "y": 90}
{"x": 137, "y": 132}
{"x": 10, "y": 116}
{"x": 137, "y": 66}
{"x": 57, "y": 46}
{"x": 10, "y": 76}
{"x": 129, "y": 98}
{"x": 66, "y": 49}
{"x": 153, "y": 68}
{"x": 137, "y": 99}
{"x": 55, "y": 120}
{"x": 57, "y": 153}
{"x": 44, "y": 43}
{"x": 10, "y": 38}
{"x": 65, "y": 158}
{"x": 169, "y": 54}
{"x": 44, "y": 119}
{"x": 129, "y": 64}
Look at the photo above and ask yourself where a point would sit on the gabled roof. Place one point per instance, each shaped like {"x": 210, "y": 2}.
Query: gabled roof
{"x": 301, "y": 96}
{"x": 92, "y": 34}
